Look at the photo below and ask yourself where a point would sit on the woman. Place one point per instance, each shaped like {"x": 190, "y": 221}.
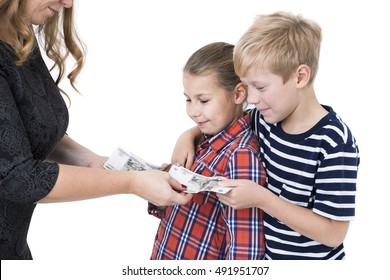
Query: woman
{"x": 38, "y": 161}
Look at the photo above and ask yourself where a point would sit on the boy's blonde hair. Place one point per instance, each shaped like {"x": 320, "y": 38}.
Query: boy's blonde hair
{"x": 279, "y": 42}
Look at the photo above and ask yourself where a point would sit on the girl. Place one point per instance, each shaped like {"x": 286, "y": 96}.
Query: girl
{"x": 204, "y": 228}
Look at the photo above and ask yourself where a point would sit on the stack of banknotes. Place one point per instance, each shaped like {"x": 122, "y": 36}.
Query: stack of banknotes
{"x": 125, "y": 160}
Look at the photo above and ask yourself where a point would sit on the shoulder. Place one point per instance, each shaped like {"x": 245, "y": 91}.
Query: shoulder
{"x": 5, "y": 51}
{"x": 245, "y": 138}
{"x": 336, "y": 141}
{"x": 2, "y": 56}
{"x": 244, "y": 149}
{"x": 6, "y": 57}
{"x": 248, "y": 141}
{"x": 335, "y": 128}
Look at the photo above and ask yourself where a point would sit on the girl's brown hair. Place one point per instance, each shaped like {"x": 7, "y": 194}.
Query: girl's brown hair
{"x": 215, "y": 58}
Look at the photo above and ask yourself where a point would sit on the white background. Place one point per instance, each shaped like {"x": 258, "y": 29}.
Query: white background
{"x": 132, "y": 97}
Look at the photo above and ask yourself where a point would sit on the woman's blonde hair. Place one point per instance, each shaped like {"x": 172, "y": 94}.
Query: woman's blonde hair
{"x": 58, "y": 38}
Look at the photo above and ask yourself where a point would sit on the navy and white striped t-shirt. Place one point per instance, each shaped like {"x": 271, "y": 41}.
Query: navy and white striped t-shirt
{"x": 316, "y": 170}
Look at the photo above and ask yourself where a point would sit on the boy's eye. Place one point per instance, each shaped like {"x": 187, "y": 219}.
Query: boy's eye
{"x": 259, "y": 87}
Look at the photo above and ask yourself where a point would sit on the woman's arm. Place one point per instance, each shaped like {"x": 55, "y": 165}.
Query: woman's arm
{"x": 70, "y": 152}
{"x": 79, "y": 183}
{"x": 64, "y": 176}
{"x": 76, "y": 182}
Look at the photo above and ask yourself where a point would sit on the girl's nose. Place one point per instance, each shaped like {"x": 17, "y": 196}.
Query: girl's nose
{"x": 193, "y": 110}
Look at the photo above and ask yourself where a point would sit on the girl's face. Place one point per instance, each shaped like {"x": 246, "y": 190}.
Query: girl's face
{"x": 37, "y": 11}
{"x": 210, "y": 106}
{"x": 276, "y": 101}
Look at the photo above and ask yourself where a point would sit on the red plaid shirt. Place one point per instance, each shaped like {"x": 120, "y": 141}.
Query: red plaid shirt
{"x": 204, "y": 228}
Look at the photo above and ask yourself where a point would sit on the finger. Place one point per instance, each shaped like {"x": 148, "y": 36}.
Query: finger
{"x": 189, "y": 161}
{"x": 166, "y": 167}
{"x": 182, "y": 198}
{"x": 221, "y": 196}
{"x": 224, "y": 200}
{"x": 228, "y": 183}
{"x": 176, "y": 185}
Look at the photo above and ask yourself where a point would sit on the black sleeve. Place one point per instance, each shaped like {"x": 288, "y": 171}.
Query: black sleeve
{"x": 23, "y": 179}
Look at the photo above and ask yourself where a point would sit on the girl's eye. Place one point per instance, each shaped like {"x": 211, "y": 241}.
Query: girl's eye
{"x": 204, "y": 101}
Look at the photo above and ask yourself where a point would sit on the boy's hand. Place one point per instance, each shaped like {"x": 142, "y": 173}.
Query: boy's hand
{"x": 245, "y": 194}
{"x": 184, "y": 150}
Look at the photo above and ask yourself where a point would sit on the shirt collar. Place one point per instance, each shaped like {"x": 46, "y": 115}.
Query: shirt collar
{"x": 220, "y": 140}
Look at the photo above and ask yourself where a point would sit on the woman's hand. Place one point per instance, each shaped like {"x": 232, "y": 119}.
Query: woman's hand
{"x": 97, "y": 162}
{"x": 159, "y": 188}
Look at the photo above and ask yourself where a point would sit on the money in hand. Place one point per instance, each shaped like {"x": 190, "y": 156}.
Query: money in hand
{"x": 124, "y": 160}
{"x": 195, "y": 182}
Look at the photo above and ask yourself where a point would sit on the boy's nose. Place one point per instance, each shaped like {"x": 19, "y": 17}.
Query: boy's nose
{"x": 252, "y": 98}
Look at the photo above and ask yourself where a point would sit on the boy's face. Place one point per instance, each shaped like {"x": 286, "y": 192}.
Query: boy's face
{"x": 208, "y": 105}
{"x": 275, "y": 101}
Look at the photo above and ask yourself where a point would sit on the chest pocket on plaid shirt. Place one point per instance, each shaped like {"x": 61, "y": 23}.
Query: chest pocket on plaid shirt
{"x": 202, "y": 197}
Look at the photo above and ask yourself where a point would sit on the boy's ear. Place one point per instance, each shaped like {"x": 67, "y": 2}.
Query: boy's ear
{"x": 240, "y": 93}
{"x": 303, "y": 75}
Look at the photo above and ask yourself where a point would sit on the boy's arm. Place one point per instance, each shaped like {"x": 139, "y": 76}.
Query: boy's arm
{"x": 184, "y": 150}
{"x": 305, "y": 221}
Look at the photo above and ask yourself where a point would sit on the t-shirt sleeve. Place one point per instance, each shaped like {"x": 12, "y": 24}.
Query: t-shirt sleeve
{"x": 335, "y": 183}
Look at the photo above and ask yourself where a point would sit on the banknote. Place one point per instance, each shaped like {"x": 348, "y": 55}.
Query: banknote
{"x": 121, "y": 159}
{"x": 195, "y": 182}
